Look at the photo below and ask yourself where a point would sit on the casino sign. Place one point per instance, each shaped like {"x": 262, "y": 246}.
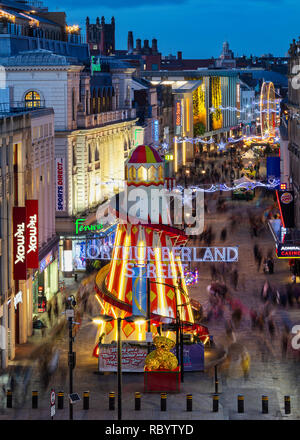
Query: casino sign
{"x": 287, "y": 251}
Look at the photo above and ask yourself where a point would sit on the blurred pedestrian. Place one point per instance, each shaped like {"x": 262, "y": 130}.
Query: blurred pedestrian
{"x": 49, "y": 310}
{"x": 259, "y": 258}
{"x": 55, "y": 307}
{"x": 271, "y": 327}
{"x": 223, "y": 234}
{"x": 284, "y": 341}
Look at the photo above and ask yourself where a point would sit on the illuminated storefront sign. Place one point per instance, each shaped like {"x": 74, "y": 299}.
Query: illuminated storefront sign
{"x": 80, "y": 227}
{"x": 46, "y": 261}
{"x": 169, "y": 157}
{"x": 178, "y": 118}
{"x": 285, "y": 251}
{"x": 155, "y": 131}
{"x": 138, "y": 136}
{"x": 32, "y": 241}
{"x": 60, "y": 184}
{"x": 19, "y": 243}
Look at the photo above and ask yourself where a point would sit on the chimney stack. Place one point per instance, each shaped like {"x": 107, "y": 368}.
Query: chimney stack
{"x": 138, "y": 45}
{"x": 146, "y": 46}
{"x": 130, "y": 42}
{"x": 154, "y": 46}
{"x": 179, "y": 55}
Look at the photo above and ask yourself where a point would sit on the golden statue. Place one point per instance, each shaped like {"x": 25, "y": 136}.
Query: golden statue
{"x": 161, "y": 358}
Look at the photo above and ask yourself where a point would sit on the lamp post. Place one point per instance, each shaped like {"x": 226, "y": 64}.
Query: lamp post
{"x": 119, "y": 370}
{"x": 71, "y": 355}
{"x": 179, "y": 325}
{"x": 108, "y": 318}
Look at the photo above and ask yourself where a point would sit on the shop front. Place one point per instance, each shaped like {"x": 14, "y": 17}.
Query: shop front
{"x": 73, "y": 249}
{"x": 45, "y": 281}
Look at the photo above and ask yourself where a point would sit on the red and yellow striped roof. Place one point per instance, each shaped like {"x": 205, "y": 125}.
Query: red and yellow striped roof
{"x": 145, "y": 154}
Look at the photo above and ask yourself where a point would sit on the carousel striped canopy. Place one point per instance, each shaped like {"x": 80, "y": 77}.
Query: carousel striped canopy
{"x": 145, "y": 154}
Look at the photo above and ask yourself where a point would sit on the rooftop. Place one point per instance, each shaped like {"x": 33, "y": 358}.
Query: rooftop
{"x": 39, "y": 57}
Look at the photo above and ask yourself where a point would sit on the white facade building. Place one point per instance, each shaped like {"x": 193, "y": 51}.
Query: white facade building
{"x": 91, "y": 142}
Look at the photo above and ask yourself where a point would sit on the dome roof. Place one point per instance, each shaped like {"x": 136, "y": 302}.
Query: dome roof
{"x": 145, "y": 154}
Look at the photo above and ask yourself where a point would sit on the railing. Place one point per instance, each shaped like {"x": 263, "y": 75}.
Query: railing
{"x": 94, "y": 120}
{"x": 18, "y": 107}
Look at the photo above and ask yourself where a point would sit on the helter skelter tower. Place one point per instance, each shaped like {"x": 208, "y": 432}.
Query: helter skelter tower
{"x": 143, "y": 245}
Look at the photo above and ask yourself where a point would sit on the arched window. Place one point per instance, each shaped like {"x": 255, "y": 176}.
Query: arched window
{"x": 90, "y": 154}
{"x": 97, "y": 152}
{"x": 99, "y": 101}
{"x": 94, "y": 102}
{"x": 73, "y": 105}
{"x": 142, "y": 174}
{"x": 32, "y": 99}
{"x": 132, "y": 173}
{"x": 74, "y": 156}
{"x": 152, "y": 173}
{"x": 160, "y": 173}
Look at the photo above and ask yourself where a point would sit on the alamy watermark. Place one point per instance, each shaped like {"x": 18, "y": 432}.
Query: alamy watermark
{"x": 136, "y": 205}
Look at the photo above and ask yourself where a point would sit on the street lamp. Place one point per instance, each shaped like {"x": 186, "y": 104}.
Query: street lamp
{"x": 179, "y": 326}
{"x": 108, "y": 318}
{"x": 71, "y": 355}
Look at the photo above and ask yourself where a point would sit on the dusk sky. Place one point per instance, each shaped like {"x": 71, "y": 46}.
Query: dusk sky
{"x": 196, "y": 27}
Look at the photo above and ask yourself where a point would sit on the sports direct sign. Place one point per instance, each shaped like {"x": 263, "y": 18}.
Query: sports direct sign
{"x": 60, "y": 184}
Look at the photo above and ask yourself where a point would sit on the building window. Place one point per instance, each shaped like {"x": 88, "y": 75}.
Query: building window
{"x": 73, "y": 105}
{"x": 142, "y": 174}
{"x": 32, "y": 99}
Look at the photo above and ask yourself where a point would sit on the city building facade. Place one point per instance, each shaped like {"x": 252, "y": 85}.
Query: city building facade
{"x": 27, "y": 198}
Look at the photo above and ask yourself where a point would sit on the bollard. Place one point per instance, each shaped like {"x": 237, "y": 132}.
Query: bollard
{"x": 86, "y": 400}
{"x": 34, "y": 399}
{"x": 287, "y": 405}
{"x": 265, "y": 408}
{"x": 163, "y": 401}
{"x": 240, "y": 403}
{"x": 137, "y": 402}
{"x": 111, "y": 401}
{"x": 60, "y": 400}
{"x": 8, "y": 399}
{"x": 189, "y": 402}
{"x": 216, "y": 386}
{"x": 215, "y": 403}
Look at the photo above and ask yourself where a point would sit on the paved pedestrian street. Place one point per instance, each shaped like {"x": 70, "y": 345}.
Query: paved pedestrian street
{"x": 269, "y": 375}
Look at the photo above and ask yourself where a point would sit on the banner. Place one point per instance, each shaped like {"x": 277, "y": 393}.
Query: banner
{"x": 19, "y": 243}
{"x": 60, "y": 184}
{"x": 286, "y": 205}
{"x": 32, "y": 238}
{"x": 193, "y": 357}
{"x": 139, "y": 291}
{"x": 178, "y": 118}
{"x": 273, "y": 168}
{"x": 134, "y": 355}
